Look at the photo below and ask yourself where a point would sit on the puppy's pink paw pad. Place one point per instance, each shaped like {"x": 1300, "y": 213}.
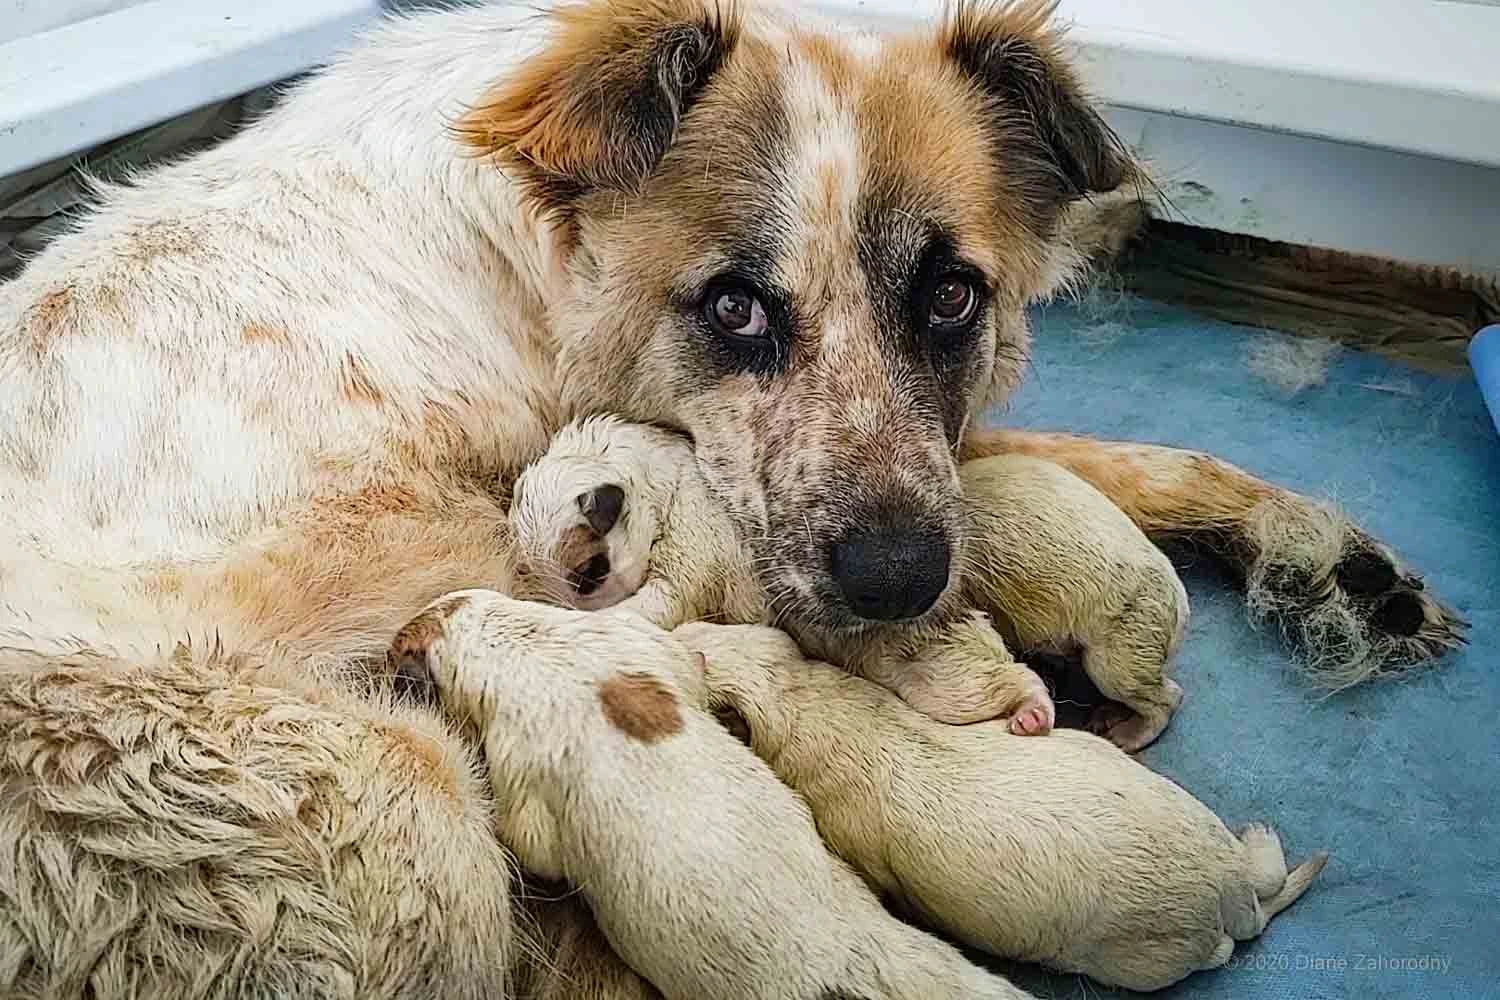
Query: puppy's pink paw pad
{"x": 1034, "y": 718}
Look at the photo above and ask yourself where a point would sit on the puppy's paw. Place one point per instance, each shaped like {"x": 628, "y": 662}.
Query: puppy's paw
{"x": 1345, "y": 600}
{"x": 1133, "y": 730}
{"x": 1035, "y": 717}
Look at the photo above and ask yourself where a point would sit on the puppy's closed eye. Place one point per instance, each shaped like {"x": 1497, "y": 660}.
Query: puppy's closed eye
{"x": 602, "y": 506}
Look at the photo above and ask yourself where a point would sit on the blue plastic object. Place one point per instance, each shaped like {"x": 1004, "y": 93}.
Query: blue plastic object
{"x": 1484, "y": 358}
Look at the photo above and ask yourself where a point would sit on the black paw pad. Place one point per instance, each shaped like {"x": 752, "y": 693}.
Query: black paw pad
{"x": 1401, "y": 614}
{"x": 1365, "y": 574}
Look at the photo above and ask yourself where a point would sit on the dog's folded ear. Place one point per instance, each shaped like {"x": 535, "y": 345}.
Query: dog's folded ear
{"x": 1012, "y": 51}
{"x": 598, "y": 106}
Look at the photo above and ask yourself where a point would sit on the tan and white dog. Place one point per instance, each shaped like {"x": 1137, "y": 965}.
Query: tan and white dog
{"x": 256, "y": 403}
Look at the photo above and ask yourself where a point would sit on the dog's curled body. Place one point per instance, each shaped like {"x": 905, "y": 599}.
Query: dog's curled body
{"x": 1055, "y": 564}
{"x": 617, "y": 514}
{"x": 705, "y": 873}
{"x": 1058, "y": 849}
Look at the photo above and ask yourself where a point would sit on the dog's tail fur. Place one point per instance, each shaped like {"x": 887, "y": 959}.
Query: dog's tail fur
{"x": 1274, "y": 888}
{"x": 1297, "y": 881}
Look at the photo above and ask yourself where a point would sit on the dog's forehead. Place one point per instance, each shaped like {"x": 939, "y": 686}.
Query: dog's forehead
{"x": 821, "y": 150}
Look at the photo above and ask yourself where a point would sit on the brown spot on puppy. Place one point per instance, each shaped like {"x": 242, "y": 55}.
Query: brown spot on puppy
{"x": 640, "y": 706}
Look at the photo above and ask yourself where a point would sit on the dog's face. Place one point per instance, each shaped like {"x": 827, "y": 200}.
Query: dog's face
{"x": 812, "y": 252}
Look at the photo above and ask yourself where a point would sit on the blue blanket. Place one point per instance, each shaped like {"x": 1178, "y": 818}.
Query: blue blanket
{"x": 1399, "y": 780}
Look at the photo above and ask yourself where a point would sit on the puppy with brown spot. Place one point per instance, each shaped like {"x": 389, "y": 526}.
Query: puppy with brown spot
{"x": 704, "y": 872}
{"x": 1058, "y": 566}
{"x": 667, "y": 550}
{"x": 1061, "y": 850}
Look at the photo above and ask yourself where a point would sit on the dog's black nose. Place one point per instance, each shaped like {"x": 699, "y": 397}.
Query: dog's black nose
{"x": 601, "y": 506}
{"x": 891, "y": 570}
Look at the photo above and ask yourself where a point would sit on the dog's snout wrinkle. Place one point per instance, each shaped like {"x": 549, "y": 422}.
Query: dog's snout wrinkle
{"x": 891, "y": 569}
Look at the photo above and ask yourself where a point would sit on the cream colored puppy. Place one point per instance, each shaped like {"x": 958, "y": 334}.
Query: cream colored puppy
{"x": 1057, "y": 565}
{"x": 704, "y": 872}
{"x": 1059, "y": 850}
{"x": 617, "y": 513}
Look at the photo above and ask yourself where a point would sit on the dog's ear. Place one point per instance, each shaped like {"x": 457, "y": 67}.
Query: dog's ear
{"x": 1052, "y": 137}
{"x": 598, "y": 106}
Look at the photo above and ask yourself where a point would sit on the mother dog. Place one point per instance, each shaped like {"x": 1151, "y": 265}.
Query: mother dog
{"x": 264, "y": 403}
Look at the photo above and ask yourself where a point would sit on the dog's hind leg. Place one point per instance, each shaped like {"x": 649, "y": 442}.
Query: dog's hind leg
{"x": 203, "y": 826}
{"x": 1346, "y": 599}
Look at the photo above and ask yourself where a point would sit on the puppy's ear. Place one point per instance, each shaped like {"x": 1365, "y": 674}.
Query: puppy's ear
{"x": 599, "y": 105}
{"x": 1053, "y": 140}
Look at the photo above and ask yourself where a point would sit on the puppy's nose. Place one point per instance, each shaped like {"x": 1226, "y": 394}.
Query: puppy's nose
{"x": 892, "y": 569}
{"x": 601, "y": 506}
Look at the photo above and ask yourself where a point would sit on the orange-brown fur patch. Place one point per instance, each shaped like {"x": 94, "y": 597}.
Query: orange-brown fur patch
{"x": 50, "y": 317}
{"x": 555, "y": 116}
{"x": 833, "y": 61}
{"x": 1161, "y": 489}
{"x": 266, "y": 333}
{"x": 423, "y": 757}
{"x": 357, "y": 383}
{"x": 166, "y": 583}
{"x": 640, "y": 706}
{"x": 417, "y": 635}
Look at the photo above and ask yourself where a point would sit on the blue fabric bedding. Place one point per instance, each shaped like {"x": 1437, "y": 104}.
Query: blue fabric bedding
{"x": 1399, "y": 780}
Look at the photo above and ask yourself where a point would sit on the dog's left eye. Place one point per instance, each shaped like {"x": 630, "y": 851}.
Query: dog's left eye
{"x": 952, "y": 302}
{"x": 735, "y": 311}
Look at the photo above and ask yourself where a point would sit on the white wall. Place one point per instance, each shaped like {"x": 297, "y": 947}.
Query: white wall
{"x": 19, "y": 18}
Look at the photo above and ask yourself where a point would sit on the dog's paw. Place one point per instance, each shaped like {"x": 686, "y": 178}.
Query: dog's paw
{"x": 1344, "y": 599}
{"x": 1035, "y": 717}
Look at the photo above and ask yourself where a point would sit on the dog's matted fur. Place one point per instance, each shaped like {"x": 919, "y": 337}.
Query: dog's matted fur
{"x": 264, "y": 396}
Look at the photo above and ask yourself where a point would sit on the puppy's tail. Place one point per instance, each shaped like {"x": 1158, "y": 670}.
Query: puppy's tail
{"x": 1297, "y": 881}
{"x": 1274, "y": 887}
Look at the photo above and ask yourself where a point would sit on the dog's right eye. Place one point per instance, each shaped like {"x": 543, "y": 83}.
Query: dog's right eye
{"x": 735, "y": 311}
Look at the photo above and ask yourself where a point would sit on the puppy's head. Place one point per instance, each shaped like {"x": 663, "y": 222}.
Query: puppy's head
{"x": 582, "y": 519}
{"x": 813, "y": 252}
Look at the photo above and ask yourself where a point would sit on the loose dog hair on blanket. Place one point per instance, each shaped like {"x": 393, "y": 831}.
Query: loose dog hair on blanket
{"x": 275, "y": 393}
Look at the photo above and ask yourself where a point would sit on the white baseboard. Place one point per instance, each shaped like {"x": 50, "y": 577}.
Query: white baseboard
{"x": 67, "y": 89}
{"x": 1371, "y": 126}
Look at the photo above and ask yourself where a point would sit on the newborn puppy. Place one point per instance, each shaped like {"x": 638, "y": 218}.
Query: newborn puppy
{"x": 704, "y": 872}
{"x": 1057, "y": 565}
{"x": 1061, "y": 850}
{"x": 617, "y": 513}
